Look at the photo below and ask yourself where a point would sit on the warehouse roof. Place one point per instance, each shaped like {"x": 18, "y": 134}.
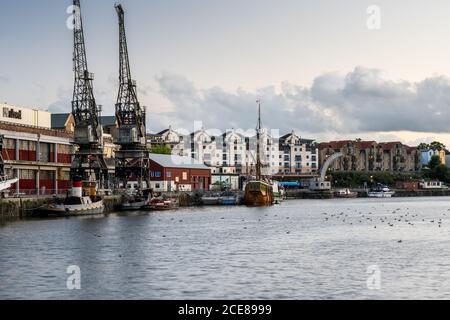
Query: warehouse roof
{"x": 173, "y": 161}
{"x": 59, "y": 120}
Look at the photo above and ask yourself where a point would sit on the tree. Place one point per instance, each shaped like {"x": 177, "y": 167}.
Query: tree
{"x": 437, "y": 146}
{"x": 435, "y": 161}
{"x": 441, "y": 173}
{"x": 423, "y": 146}
{"x": 161, "y": 149}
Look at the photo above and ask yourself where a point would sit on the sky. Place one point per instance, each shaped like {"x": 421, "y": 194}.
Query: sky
{"x": 318, "y": 66}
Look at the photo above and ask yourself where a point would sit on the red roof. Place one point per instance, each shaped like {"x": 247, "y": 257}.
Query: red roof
{"x": 362, "y": 145}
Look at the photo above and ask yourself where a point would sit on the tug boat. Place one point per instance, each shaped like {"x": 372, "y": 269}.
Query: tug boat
{"x": 76, "y": 204}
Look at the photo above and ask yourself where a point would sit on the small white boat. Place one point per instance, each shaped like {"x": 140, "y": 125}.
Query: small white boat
{"x": 345, "y": 193}
{"x": 380, "y": 191}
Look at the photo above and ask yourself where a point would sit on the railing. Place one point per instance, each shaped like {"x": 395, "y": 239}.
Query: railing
{"x": 43, "y": 193}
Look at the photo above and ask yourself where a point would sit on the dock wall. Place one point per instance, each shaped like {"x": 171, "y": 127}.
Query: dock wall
{"x": 24, "y": 207}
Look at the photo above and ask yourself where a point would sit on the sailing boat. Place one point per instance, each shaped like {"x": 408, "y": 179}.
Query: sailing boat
{"x": 258, "y": 192}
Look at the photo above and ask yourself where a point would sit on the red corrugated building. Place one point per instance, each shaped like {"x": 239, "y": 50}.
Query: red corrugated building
{"x": 175, "y": 173}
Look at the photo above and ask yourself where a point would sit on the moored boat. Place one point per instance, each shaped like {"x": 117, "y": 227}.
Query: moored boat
{"x": 345, "y": 193}
{"x": 258, "y": 193}
{"x": 211, "y": 200}
{"x": 229, "y": 199}
{"x": 76, "y": 204}
{"x": 160, "y": 205}
{"x": 380, "y": 191}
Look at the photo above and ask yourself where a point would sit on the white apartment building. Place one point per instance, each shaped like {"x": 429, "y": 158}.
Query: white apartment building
{"x": 234, "y": 152}
{"x": 297, "y": 155}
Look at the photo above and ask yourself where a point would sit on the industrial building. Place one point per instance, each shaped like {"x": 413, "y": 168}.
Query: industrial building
{"x": 39, "y": 156}
{"x": 177, "y": 173}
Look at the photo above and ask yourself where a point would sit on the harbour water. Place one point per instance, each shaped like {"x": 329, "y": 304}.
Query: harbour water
{"x": 303, "y": 249}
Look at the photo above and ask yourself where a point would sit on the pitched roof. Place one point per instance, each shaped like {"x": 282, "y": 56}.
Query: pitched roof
{"x": 108, "y": 120}
{"x": 174, "y": 161}
{"x": 162, "y": 132}
{"x": 59, "y": 120}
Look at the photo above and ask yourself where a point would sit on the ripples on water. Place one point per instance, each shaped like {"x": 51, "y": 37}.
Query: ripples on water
{"x": 302, "y": 249}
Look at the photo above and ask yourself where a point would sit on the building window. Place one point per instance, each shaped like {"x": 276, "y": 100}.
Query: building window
{"x": 185, "y": 176}
{"x": 169, "y": 174}
{"x": 158, "y": 174}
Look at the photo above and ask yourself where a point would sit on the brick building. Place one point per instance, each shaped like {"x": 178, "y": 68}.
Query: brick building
{"x": 176, "y": 173}
{"x": 39, "y": 157}
{"x": 371, "y": 156}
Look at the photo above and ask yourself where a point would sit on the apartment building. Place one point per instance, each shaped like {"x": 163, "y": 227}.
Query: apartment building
{"x": 371, "y": 156}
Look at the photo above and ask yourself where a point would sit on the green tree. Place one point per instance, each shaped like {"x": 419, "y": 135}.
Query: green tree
{"x": 436, "y": 145}
{"x": 435, "y": 161}
{"x": 423, "y": 146}
{"x": 161, "y": 149}
{"x": 441, "y": 173}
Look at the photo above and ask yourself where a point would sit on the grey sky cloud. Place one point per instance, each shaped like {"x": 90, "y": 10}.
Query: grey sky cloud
{"x": 361, "y": 101}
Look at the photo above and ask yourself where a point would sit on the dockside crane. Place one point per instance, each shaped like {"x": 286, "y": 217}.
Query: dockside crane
{"x": 89, "y": 164}
{"x": 133, "y": 159}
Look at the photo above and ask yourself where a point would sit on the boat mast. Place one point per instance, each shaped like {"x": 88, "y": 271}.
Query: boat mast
{"x": 258, "y": 146}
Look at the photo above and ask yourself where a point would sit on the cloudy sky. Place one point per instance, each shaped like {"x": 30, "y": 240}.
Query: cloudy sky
{"x": 316, "y": 65}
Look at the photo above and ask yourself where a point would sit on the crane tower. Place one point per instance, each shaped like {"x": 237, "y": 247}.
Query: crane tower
{"x": 89, "y": 164}
{"x": 132, "y": 160}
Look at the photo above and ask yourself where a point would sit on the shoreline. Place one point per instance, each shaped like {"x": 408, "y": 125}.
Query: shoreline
{"x": 24, "y": 207}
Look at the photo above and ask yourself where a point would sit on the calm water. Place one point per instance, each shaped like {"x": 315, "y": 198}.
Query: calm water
{"x": 300, "y": 250}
